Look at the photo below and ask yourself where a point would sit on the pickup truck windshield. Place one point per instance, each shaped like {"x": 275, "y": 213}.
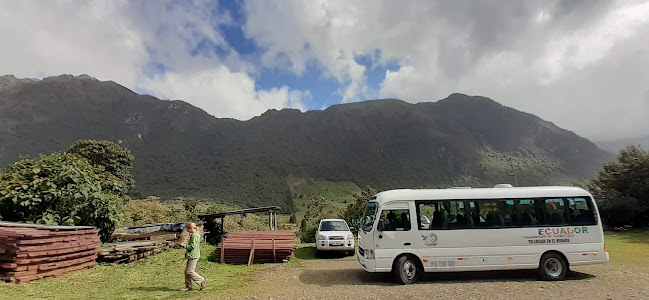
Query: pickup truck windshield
{"x": 334, "y": 226}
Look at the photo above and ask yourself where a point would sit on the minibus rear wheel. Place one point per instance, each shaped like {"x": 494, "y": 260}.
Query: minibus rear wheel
{"x": 406, "y": 270}
{"x": 552, "y": 267}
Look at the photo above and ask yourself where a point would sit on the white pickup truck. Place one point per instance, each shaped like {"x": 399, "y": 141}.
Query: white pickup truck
{"x": 334, "y": 235}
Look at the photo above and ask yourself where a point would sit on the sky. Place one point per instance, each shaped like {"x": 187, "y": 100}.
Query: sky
{"x": 581, "y": 64}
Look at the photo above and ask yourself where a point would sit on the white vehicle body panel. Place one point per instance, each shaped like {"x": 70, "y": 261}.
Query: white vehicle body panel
{"x": 334, "y": 240}
{"x": 476, "y": 249}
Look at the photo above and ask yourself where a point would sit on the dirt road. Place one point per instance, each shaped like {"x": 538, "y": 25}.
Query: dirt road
{"x": 343, "y": 278}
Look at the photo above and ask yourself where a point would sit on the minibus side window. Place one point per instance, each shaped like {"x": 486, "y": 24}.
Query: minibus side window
{"x": 580, "y": 212}
{"x": 490, "y": 213}
{"x": 555, "y": 212}
{"x": 473, "y": 212}
{"x": 528, "y": 214}
{"x": 507, "y": 211}
{"x": 456, "y": 214}
{"x": 396, "y": 220}
{"x": 442, "y": 215}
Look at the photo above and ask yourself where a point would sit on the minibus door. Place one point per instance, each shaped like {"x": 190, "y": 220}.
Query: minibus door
{"x": 394, "y": 230}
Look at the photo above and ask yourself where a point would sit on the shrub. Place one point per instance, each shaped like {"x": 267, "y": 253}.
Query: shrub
{"x": 64, "y": 189}
{"x": 115, "y": 159}
{"x": 307, "y": 235}
{"x": 622, "y": 188}
{"x": 354, "y": 211}
{"x": 147, "y": 211}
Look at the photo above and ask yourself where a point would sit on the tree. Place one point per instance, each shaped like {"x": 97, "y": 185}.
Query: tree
{"x": 190, "y": 205}
{"x": 147, "y": 211}
{"x": 314, "y": 208}
{"x": 292, "y": 219}
{"x": 115, "y": 159}
{"x": 354, "y": 211}
{"x": 622, "y": 188}
{"x": 64, "y": 189}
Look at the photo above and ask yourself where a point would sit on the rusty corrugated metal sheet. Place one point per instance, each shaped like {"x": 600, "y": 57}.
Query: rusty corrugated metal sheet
{"x": 256, "y": 247}
{"x": 29, "y": 252}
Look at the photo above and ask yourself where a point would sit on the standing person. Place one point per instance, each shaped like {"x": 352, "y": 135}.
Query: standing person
{"x": 192, "y": 255}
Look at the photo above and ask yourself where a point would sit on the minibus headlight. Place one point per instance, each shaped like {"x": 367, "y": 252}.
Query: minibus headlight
{"x": 321, "y": 237}
{"x": 350, "y": 236}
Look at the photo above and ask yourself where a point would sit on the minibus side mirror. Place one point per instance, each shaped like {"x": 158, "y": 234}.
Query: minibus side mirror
{"x": 381, "y": 226}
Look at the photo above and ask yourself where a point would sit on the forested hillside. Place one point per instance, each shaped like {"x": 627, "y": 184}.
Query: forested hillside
{"x": 182, "y": 151}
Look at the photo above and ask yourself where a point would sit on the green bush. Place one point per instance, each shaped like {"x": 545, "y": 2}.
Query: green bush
{"x": 307, "y": 235}
{"x": 622, "y": 188}
{"x": 61, "y": 188}
{"x": 115, "y": 159}
{"x": 354, "y": 211}
{"x": 147, "y": 211}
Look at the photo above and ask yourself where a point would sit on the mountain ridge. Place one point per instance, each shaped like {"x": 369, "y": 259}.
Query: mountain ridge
{"x": 181, "y": 150}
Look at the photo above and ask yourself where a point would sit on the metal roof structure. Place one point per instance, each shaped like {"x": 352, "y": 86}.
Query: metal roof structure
{"x": 241, "y": 212}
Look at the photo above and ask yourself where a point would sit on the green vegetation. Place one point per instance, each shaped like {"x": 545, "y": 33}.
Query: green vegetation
{"x": 629, "y": 248}
{"x": 354, "y": 211}
{"x": 62, "y": 188}
{"x": 337, "y": 194}
{"x": 117, "y": 161}
{"x": 314, "y": 213}
{"x": 156, "y": 277}
{"x": 622, "y": 189}
{"x": 386, "y": 144}
{"x": 152, "y": 210}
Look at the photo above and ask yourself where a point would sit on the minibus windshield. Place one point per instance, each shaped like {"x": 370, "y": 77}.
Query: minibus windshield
{"x": 368, "y": 217}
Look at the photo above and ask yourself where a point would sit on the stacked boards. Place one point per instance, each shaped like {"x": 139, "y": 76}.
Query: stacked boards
{"x": 30, "y": 252}
{"x": 256, "y": 247}
{"x": 125, "y": 252}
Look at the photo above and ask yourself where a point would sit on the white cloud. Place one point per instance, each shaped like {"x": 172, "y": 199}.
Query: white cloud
{"x": 222, "y": 93}
{"x": 44, "y": 38}
{"x": 555, "y": 59}
{"x": 127, "y": 42}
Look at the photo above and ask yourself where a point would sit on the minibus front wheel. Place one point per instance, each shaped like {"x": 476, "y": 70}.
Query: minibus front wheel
{"x": 406, "y": 269}
{"x": 553, "y": 266}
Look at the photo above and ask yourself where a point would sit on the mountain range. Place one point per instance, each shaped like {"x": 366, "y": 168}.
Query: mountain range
{"x": 180, "y": 150}
{"x": 615, "y": 146}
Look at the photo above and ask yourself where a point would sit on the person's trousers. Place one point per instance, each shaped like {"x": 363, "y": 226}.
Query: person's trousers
{"x": 190, "y": 273}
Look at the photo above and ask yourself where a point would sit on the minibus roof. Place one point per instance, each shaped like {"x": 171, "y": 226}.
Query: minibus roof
{"x": 480, "y": 193}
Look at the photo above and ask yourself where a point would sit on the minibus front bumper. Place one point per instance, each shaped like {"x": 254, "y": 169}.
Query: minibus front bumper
{"x": 368, "y": 264}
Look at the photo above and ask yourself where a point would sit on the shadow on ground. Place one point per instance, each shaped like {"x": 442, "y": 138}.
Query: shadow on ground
{"x": 156, "y": 288}
{"x": 360, "y": 277}
{"x": 310, "y": 253}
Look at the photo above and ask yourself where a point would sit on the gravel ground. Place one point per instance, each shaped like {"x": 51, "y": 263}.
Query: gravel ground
{"x": 343, "y": 278}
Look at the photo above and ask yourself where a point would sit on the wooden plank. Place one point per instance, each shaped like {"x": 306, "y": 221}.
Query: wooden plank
{"x": 252, "y": 252}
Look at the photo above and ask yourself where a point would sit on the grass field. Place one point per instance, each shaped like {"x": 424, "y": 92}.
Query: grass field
{"x": 629, "y": 248}
{"x": 337, "y": 194}
{"x": 161, "y": 276}
{"x": 156, "y": 277}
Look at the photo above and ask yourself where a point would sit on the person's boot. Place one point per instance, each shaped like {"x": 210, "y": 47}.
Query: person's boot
{"x": 203, "y": 284}
{"x": 186, "y": 289}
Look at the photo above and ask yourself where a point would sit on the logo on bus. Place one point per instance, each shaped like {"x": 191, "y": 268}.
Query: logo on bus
{"x": 429, "y": 239}
{"x": 562, "y": 230}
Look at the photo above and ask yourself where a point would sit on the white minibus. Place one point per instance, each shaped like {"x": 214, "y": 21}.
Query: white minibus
{"x": 408, "y": 232}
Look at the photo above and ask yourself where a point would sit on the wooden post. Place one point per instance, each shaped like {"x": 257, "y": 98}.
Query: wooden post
{"x": 222, "y": 248}
{"x": 251, "y": 259}
{"x": 274, "y": 256}
{"x": 222, "y": 226}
